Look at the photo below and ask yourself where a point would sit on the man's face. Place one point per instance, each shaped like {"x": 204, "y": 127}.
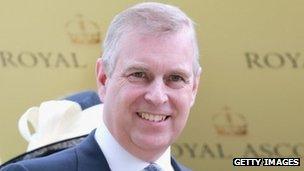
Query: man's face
{"x": 148, "y": 97}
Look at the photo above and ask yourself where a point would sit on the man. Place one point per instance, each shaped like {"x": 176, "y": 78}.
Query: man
{"x": 147, "y": 78}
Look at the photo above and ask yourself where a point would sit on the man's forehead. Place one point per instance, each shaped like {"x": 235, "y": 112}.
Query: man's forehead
{"x": 137, "y": 39}
{"x": 146, "y": 52}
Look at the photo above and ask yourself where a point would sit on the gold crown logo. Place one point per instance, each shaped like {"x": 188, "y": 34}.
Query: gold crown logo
{"x": 83, "y": 31}
{"x": 227, "y": 122}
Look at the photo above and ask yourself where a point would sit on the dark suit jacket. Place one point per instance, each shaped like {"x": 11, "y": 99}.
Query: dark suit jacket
{"x": 86, "y": 156}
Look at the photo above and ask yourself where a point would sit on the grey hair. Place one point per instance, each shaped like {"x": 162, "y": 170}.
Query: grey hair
{"x": 155, "y": 18}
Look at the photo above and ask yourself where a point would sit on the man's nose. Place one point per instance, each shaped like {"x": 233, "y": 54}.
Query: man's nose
{"x": 156, "y": 93}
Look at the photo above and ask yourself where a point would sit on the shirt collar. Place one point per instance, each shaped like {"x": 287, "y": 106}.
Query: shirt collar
{"x": 123, "y": 160}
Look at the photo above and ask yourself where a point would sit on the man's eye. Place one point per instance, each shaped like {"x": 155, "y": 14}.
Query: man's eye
{"x": 176, "y": 78}
{"x": 138, "y": 77}
{"x": 138, "y": 74}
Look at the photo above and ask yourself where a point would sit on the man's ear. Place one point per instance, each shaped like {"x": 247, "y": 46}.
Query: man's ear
{"x": 195, "y": 85}
{"x": 101, "y": 79}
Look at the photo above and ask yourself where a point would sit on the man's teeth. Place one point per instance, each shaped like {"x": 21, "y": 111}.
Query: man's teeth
{"x": 152, "y": 117}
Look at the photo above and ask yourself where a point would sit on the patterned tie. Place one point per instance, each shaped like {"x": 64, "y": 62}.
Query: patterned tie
{"x": 152, "y": 167}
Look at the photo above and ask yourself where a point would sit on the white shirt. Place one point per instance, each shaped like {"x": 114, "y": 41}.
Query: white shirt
{"x": 121, "y": 160}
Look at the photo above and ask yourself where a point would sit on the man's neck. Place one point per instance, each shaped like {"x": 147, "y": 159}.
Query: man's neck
{"x": 109, "y": 145}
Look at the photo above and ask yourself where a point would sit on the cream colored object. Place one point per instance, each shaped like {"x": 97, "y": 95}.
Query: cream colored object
{"x": 57, "y": 120}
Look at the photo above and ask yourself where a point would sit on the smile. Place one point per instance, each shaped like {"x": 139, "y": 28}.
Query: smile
{"x": 152, "y": 117}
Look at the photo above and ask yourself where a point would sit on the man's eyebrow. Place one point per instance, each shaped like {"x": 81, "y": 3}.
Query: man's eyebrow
{"x": 181, "y": 72}
{"x": 135, "y": 68}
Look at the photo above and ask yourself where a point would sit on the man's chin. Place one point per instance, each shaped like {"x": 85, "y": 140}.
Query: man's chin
{"x": 156, "y": 144}
{"x": 150, "y": 152}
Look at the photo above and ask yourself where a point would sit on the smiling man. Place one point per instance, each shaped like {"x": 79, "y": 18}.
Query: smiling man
{"x": 147, "y": 79}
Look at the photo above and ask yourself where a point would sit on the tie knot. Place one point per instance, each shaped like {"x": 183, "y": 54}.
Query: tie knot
{"x": 152, "y": 167}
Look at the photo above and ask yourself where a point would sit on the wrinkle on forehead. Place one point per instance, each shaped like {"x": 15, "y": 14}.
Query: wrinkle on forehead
{"x": 172, "y": 39}
{"x": 165, "y": 47}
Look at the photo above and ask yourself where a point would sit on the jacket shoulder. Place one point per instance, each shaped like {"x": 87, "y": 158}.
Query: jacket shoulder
{"x": 64, "y": 160}
{"x": 14, "y": 167}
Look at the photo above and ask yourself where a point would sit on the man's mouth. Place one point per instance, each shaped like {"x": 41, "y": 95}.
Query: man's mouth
{"x": 152, "y": 117}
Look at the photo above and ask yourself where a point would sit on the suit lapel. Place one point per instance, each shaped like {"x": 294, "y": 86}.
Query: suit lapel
{"x": 177, "y": 166}
{"x": 90, "y": 156}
